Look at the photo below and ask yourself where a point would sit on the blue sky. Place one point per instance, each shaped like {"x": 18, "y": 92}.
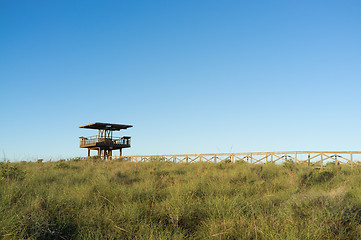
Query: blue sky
{"x": 191, "y": 76}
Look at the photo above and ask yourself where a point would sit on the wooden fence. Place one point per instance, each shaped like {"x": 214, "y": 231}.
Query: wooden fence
{"x": 312, "y": 158}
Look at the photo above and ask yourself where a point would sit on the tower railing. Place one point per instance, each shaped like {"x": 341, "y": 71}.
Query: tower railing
{"x": 84, "y": 141}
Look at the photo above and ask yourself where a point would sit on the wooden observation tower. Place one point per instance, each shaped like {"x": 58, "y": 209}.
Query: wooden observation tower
{"x": 104, "y": 142}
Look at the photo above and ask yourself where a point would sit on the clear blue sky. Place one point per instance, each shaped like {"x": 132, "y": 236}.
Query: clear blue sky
{"x": 191, "y": 76}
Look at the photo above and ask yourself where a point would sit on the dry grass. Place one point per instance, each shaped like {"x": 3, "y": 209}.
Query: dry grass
{"x": 119, "y": 200}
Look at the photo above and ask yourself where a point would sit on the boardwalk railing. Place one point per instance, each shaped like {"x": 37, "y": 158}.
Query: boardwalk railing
{"x": 312, "y": 158}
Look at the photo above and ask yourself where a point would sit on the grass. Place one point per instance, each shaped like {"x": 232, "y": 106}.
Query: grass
{"x": 119, "y": 200}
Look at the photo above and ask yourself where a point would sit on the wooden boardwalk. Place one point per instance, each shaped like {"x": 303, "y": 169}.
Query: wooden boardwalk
{"x": 313, "y": 158}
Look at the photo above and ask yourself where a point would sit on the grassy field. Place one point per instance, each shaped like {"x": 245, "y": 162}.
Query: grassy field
{"x": 91, "y": 199}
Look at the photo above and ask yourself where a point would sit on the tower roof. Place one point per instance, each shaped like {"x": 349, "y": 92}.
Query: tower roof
{"x": 108, "y": 126}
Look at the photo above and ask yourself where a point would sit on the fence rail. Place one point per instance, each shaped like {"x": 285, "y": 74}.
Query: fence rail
{"x": 312, "y": 158}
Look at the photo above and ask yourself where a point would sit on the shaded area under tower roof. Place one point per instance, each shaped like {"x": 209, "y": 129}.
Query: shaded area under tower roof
{"x": 107, "y": 126}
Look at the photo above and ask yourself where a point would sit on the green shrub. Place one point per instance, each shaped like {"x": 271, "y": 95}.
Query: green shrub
{"x": 315, "y": 176}
{"x": 290, "y": 165}
{"x": 63, "y": 165}
{"x": 120, "y": 159}
{"x": 78, "y": 159}
{"x": 156, "y": 159}
{"x": 11, "y": 171}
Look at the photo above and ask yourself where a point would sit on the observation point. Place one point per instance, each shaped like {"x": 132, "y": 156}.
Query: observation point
{"x": 104, "y": 143}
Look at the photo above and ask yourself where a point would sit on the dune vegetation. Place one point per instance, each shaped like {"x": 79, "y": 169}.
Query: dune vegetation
{"x": 93, "y": 199}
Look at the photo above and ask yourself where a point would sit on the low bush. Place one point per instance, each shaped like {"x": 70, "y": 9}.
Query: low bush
{"x": 156, "y": 159}
{"x": 11, "y": 171}
{"x": 63, "y": 165}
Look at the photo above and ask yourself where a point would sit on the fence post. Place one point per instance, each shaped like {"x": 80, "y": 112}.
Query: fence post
{"x": 309, "y": 159}
{"x": 351, "y": 159}
{"x": 321, "y": 161}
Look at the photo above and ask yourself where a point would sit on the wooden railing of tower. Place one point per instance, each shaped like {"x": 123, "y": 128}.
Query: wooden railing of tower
{"x": 96, "y": 139}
